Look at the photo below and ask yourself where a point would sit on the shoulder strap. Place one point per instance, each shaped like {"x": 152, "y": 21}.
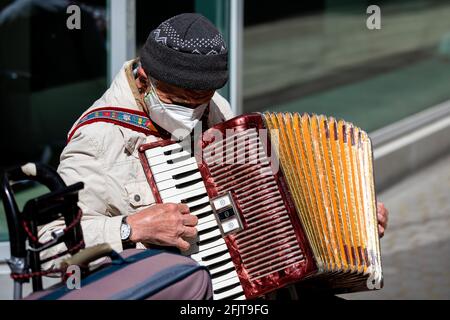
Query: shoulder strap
{"x": 131, "y": 119}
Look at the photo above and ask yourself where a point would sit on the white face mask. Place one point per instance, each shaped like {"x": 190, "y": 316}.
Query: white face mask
{"x": 176, "y": 119}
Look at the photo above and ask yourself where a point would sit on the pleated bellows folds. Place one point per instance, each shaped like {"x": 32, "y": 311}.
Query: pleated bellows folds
{"x": 328, "y": 166}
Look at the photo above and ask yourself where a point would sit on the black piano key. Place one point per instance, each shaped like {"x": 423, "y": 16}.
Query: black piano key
{"x": 178, "y": 159}
{"x": 194, "y": 198}
{"x": 204, "y": 242}
{"x": 184, "y": 174}
{"x": 208, "y": 230}
{"x": 218, "y": 264}
{"x": 188, "y": 183}
{"x": 214, "y": 255}
{"x": 199, "y": 206}
{"x": 168, "y": 153}
{"x": 202, "y": 215}
{"x": 222, "y": 273}
{"x": 229, "y": 287}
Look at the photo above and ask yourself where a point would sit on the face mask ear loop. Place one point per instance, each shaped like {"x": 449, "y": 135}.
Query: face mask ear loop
{"x": 154, "y": 94}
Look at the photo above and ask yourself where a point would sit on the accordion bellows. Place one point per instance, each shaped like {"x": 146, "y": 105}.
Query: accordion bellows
{"x": 328, "y": 167}
{"x": 302, "y": 202}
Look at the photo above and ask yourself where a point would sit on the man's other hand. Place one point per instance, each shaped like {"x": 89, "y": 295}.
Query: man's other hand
{"x": 382, "y": 216}
{"x": 167, "y": 224}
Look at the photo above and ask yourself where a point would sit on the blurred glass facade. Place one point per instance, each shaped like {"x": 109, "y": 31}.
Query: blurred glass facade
{"x": 319, "y": 56}
{"x": 48, "y": 76}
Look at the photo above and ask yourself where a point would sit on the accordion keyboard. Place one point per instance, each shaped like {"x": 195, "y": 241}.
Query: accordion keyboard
{"x": 178, "y": 180}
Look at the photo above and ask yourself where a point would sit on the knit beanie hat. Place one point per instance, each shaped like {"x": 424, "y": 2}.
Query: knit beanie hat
{"x": 187, "y": 51}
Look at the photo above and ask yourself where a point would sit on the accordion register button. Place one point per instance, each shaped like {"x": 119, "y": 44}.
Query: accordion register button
{"x": 222, "y": 202}
{"x": 230, "y": 225}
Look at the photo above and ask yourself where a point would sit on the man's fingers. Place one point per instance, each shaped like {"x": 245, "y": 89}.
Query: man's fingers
{"x": 183, "y": 245}
{"x": 189, "y": 232}
{"x": 183, "y": 208}
{"x": 189, "y": 220}
{"x": 382, "y": 214}
{"x": 381, "y": 219}
{"x": 380, "y": 231}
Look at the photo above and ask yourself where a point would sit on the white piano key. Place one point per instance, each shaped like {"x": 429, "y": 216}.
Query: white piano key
{"x": 211, "y": 245}
{"x": 207, "y": 226}
{"x": 207, "y": 219}
{"x": 229, "y": 275}
{"x": 150, "y": 153}
{"x": 170, "y": 183}
{"x": 227, "y": 282}
{"x": 202, "y": 200}
{"x": 221, "y": 268}
{"x": 201, "y": 210}
{"x": 184, "y": 196}
{"x": 222, "y": 258}
{"x": 181, "y": 191}
{"x": 171, "y": 157}
{"x": 241, "y": 297}
{"x": 166, "y": 166}
{"x": 209, "y": 235}
{"x": 227, "y": 293}
{"x": 221, "y": 246}
{"x": 167, "y": 175}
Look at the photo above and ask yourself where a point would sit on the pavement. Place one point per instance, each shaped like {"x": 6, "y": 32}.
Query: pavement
{"x": 416, "y": 246}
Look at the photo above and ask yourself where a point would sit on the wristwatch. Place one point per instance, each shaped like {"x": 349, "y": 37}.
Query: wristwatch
{"x": 125, "y": 234}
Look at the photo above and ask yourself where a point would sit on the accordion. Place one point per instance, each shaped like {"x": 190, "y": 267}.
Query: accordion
{"x": 281, "y": 199}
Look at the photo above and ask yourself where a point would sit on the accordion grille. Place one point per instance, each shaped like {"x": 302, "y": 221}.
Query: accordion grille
{"x": 239, "y": 163}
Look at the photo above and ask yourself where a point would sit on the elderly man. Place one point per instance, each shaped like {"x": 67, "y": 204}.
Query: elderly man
{"x": 171, "y": 86}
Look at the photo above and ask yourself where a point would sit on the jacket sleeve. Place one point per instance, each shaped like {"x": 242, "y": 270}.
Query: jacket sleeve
{"x": 81, "y": 160}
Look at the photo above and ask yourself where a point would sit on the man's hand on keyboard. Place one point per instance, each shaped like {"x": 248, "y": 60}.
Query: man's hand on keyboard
{"x": 167, "y": 224}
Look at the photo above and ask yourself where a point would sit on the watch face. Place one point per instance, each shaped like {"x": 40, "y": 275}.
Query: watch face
{"x": 125, "y": 231}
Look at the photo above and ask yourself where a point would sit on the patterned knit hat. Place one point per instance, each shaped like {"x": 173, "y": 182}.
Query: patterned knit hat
{"x": 187, "y": 51}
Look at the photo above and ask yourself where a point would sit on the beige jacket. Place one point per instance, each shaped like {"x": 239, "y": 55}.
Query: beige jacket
{"x": 105, "y": 157}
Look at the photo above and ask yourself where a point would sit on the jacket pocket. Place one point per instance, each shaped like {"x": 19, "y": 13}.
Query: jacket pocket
{"x": 139, "y": 195}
